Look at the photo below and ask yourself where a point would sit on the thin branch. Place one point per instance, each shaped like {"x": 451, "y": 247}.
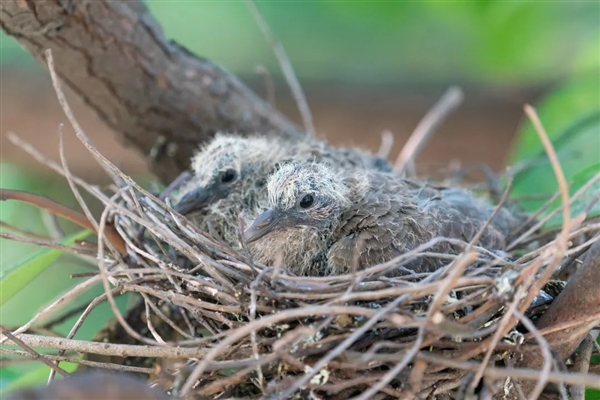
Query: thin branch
{"x": 269, "y": 84}
{"x": 286, "y": 68}
{"x": 33, "y": 353}
{"x": 423, "y": 132}
{"x": 582, "y": 363}
{"x": 109, "y": 349}
{"x": 387, "y": 142}
{"x": 87, "y": 363}
{"x": 63, "y": 211}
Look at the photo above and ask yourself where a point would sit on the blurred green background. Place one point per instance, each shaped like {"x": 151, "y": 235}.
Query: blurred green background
{"x": 366, "y": 66}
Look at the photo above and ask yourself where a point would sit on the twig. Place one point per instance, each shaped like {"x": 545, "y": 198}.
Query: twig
{"x": 286, "y": 68}
{"x": 582, "y": 364}
{"x": 63, "y": 211}
{"x": 269, "y": 84}
{"x": 79, "y": 322}
{"x": 105, "y": 280}
{"x": 456, "y": 269}
{"x": 387, "y": 142}
{"x": 33, "y": 353}
{"x": 422, "y": 133}
{"x": 109, "y": 349}
{"x": 52, "y": 226}
{"x": 568, "y": 324}
{"x": 74, "y": 190}
{"x": 75, "y": 249}
{"x": 561, "y": 242}
{"x": 268, "y": 320}
{"x": 520, "y": 373}
{"x": 24, "y": 232}
{"x": 546, "y": 353}
{"x": 93, "y": 364}
{"x": 74, "y": 292}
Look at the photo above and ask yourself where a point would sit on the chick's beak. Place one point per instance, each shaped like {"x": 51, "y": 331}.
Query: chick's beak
{"x": 195, "y": 200}
{"x": 263, "y": 224}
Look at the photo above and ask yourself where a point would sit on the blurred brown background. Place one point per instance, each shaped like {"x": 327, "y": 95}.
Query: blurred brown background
{"x": 481, "y": 130}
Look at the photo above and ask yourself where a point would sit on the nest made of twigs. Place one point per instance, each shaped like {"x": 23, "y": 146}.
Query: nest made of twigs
{"x": 219, "y": 326}
{"x": 211, "y": 323}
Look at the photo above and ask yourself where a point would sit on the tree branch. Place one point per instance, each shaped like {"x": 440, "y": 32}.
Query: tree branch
{"x": 156, "y": 96}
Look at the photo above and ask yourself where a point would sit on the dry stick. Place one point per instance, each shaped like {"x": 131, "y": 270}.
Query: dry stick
{"x": 34, "y": 354}
{"x": 456, "y": 270}
{"x": 561, "y": 242}
{"x": 519, "y": 373}
{"x": 94, "y": 364}
{"x": 582, "y": 364}
{"x": 422, "y": 133}
{"x": 75, "y": 249}
{"x": 502, "y": 327}
{"x": 74, "y": 292}
{"x": 254, "y": 343}
{"x": 63, "y": 160}
{"x": 51, "y": 224}
{"x": 542, "y": 221}
{"x": 79, "y": 322}
{"x": 286, "y": 68}
{"x": 62, "y": 100}
{"x": 387, "y": 142}
{"x": 166, "y": 319}
{"x": 269, "y": 84}
{"x": 111, "y": 169}
{"x": 568, "y": 324}
{"x": 149, "y": 323}
{"x": 347, "y": 343}
{"x": 105, "y": 280}
{"x": 110, "y": 349}
{"x": 178, "y": 243}
{"x": 63, "y": 211}
{"x": 547, "y": 354}
{"x": 23, "y": 232}
{"x": 229, "y": 338}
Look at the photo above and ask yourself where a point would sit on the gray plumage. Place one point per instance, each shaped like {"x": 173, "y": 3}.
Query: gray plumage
{"x": 230, "y": 174}
{"x": 319, "y": 218}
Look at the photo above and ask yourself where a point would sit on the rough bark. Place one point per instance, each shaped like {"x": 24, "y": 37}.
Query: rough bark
{"x": 152, "y": 92}
{"x": 579, "y": 299}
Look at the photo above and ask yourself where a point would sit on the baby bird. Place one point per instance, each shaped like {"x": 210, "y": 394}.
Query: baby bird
{"x": 320, "y": 221}
{"x": 230, "y": 174}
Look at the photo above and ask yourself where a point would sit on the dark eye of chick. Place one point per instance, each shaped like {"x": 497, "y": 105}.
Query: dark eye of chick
{"x": 307, "y": 201}
{"x": 228, "y": 176}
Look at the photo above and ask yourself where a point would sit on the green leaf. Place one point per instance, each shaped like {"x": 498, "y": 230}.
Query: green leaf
{"x": 592, "y": 394}
{"x": 18, "y": 276}
{"x": 571, "y": 117}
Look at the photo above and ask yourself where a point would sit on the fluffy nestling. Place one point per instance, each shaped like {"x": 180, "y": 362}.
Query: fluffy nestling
{"x": 317, "y": 221}
{"x": 230, "y": 174}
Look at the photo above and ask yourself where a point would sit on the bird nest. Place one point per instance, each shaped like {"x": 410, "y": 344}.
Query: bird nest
{"x": 211, "y": 323}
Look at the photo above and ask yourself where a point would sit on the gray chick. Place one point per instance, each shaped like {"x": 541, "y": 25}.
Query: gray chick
{"x": 230, "y": 174}
{"x": 320, "y": 221}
